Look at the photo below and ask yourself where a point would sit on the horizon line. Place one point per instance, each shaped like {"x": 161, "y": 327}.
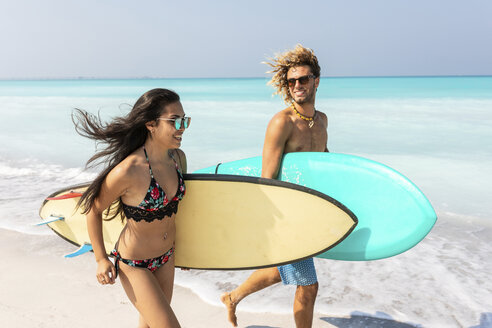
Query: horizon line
{"x": 82, "y": 78}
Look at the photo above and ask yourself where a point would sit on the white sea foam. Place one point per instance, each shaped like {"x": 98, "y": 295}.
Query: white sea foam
{"x": 442, "y": 282}
{"x": 24, "y": 186}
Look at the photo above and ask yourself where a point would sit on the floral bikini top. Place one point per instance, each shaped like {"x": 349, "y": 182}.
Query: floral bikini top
{"x": 156, "y": 205}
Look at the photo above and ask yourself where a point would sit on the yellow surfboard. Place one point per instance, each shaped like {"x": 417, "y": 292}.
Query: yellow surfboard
{"x": 228, "y": 222}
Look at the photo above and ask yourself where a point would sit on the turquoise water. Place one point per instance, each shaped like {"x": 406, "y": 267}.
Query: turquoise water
{"x": 254, "y": 88}
{"x": 434, "y": 130}
{"x": 190, "y": 89}
{"x": 408, "y": 87}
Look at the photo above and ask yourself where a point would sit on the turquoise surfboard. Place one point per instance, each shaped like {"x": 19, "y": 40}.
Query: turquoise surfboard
{"x": 394, "y": 215}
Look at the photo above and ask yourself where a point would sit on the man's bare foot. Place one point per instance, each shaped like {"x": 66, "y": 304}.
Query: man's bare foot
{"x": 231, "y": 308}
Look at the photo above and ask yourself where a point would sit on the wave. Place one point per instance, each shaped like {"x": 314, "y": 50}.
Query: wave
{"x": 24, "y": 186}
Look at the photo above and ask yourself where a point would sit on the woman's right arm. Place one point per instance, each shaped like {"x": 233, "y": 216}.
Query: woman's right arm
{"x": 114, "y": 186}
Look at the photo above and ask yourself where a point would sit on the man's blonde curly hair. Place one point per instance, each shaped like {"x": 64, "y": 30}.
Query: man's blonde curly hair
{"x": 281, "y": 64}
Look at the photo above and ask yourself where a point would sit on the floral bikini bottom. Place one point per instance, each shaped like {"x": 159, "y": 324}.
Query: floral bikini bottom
{"x": 150, "y": 264}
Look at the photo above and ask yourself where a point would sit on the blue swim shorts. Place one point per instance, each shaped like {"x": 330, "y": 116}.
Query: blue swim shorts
{"x": 300, "y": 273}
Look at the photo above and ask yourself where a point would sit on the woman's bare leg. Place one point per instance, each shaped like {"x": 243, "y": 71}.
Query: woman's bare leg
{"x": 165, "y": 277}
{"x": 145, "y": 292}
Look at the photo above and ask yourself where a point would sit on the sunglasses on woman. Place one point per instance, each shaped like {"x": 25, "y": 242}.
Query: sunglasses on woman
{"x": 179, "y": 122}
{"x": 302, "y": 80}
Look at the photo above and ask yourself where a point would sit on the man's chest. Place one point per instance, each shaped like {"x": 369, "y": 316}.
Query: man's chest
{"x": 307, "y": 139}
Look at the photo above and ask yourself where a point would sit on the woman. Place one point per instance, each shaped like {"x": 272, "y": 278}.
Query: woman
{"x": 143, "y": 180}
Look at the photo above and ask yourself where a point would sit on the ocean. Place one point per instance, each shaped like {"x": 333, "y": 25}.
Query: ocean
{"x": 437, "y": 131}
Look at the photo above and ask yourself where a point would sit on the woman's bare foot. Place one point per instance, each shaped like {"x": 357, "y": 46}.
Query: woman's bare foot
{"x": 231, "y": 308}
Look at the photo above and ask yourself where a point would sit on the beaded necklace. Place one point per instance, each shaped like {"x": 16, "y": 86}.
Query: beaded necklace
{"x": 304, "y": 117}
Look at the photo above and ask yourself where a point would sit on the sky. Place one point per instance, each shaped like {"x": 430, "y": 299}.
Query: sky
{"x": 227, "y": 38}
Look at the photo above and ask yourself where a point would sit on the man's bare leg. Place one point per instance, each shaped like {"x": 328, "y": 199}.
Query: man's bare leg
{"x": 304, "y": 305}
{"x": 256, "y": 281}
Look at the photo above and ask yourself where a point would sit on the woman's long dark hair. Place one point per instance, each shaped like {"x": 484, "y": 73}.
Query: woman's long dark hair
{"x": 122, "y": 136}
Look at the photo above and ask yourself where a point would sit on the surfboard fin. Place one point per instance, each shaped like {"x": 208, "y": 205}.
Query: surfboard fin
{"x": 49, "y": 219}
{"x": 85, "y": 248}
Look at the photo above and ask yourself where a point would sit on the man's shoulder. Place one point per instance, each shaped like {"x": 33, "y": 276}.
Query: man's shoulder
{"x": 283, "y": 117}
{"x": 280, "y": 122}
{"x": 322, "y": 116}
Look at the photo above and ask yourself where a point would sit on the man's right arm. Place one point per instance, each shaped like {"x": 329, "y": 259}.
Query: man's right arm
{"x": 277, "y": 134}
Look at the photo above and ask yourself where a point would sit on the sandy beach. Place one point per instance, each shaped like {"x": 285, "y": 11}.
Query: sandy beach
{"x": 40, "y": 288}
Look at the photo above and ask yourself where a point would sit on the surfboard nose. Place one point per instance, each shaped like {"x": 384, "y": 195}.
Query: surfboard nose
{"x": 250, "y": 223}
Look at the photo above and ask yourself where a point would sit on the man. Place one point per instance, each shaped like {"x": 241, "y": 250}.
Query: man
{"x": 299, "y": 127}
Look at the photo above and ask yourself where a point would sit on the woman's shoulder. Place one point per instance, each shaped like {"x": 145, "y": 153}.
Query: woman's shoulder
{"x": 178, "y": 153}
{"x": 123, "y": 177}
{"x": 130, "y": 168}
{"x": 180, "y": 158}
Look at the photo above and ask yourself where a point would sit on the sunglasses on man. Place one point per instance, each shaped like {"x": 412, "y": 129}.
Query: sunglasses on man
{"x": 302, "y": 80}
{"x": 179, "y": 122}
